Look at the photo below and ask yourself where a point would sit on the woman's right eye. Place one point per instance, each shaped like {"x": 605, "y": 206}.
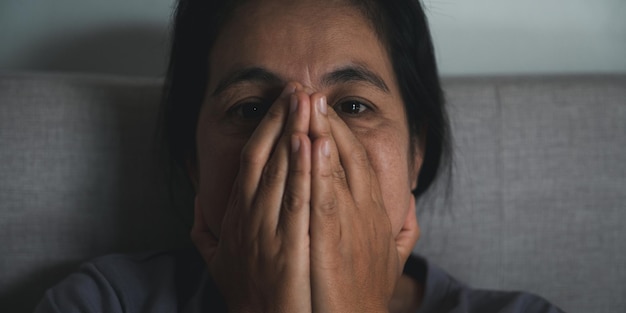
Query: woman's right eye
{"x": 250, "y": 110}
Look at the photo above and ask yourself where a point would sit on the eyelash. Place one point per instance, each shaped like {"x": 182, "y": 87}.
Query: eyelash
{"x": 258, "y": 107}
{"x": 363, "y": 106}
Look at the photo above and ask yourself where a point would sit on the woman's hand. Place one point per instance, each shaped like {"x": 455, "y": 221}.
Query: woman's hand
{"x": 355, "y": 259}
{"x": 306, "y": 227}
{"x": 261, "y": 261}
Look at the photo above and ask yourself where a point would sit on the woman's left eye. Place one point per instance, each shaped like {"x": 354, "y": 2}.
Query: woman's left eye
{"x": 352, "y": 107}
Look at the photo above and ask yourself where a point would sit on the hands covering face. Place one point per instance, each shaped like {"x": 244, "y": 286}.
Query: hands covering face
{"x": 306, "y": 229}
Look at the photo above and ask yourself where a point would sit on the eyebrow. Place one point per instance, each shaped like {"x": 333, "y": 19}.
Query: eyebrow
{"x": 350, "y": 73}
{"x": 355, "y": 73}
{"x": 250, "y": 74}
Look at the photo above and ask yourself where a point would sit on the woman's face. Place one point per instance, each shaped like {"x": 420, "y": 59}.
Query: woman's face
{"x": 329, "y": 49}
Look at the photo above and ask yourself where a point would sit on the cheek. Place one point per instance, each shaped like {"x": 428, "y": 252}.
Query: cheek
{"x": 218, "y": 165}
{"x": 388, "y": 154}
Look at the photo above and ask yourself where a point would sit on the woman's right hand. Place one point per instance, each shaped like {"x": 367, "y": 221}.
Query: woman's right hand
{"x": 260, "y": 262}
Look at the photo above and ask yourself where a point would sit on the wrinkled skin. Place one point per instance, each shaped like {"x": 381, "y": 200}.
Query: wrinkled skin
{"x": 305, "y": 167}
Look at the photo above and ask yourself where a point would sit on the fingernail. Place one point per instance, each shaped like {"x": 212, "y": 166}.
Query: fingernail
{"x": 326, "y": 148}
{"x": 295, "y": 143}
{"x": 321, "y": 105}
{"x": 293, "y": 103}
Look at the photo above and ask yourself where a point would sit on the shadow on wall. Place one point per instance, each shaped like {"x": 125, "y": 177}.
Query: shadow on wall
{"x": 135, "y": 50}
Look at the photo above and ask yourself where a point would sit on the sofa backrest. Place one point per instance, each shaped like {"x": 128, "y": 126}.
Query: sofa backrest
{"x": 78, "y": 178}
{"x": 539, "y": 190}
{"x": 537, "y": 199}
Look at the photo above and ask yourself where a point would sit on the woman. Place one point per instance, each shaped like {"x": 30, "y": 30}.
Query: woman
{"x": 307, "y": 128}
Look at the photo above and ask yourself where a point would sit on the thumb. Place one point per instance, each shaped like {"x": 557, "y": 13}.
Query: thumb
{"x": 201, "y": 236}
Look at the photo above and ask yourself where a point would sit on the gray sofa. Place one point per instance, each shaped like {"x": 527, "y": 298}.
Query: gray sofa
{"x": 537, "y": 199}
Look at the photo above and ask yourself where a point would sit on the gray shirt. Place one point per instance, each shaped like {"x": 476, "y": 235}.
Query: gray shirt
{"x": 176, "y": 281}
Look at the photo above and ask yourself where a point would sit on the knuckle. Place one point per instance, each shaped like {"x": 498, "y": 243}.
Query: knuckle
{"x": 250, "y": 156}
{"x": 322, "y": 132}
{"x": 273, "y": 173}
{"x": 274, "y": 113}
{"x": 339, "y": 175}
{"x": 293, "y": 201}
{"x": 327, "y": 206}
{"x": 298, "y": 172}
{"x": 326, "y": 175}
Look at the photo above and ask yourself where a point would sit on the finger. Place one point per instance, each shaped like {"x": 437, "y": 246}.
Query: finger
{"x": 294, "y": 214}
{"x": 360, "y": 175}
{"x": 258, "y": 149}
{"x": 325, "y": 229}
{"x": 203, "y": 239}
{"x": 271, "y": 189}
{"x": 320, "y": 128}
{"x": 410, "y": 232}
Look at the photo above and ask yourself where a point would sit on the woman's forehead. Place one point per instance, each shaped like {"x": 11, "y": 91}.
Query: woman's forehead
{"x": 301, "y": 42}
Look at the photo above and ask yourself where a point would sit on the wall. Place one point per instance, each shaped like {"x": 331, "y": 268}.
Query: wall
{"x": 530, "y": 36}
{"x": 472, "y": 37}
{"x": 113, "y": 36}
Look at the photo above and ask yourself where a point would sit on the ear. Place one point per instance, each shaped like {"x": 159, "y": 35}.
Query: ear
{"x": 409, "y": 234}
{"x": 417, "y": 157}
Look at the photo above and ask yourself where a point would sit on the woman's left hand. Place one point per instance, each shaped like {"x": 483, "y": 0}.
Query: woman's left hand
{"x": 355, "y": 258}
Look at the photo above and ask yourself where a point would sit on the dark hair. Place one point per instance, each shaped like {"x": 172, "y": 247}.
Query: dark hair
{"x": 400, "y": 25}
